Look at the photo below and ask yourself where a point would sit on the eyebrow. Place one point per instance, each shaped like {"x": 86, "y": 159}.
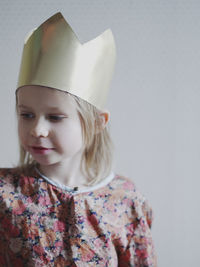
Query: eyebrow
{"x": 51, "y": 108}
{"x": 22, "y": 106}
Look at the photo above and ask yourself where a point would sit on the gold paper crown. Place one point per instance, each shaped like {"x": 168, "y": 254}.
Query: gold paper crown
{"x": 54, "y": 57}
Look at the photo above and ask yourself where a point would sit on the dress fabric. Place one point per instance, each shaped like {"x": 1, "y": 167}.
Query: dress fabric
{"x": 44, "y": 225}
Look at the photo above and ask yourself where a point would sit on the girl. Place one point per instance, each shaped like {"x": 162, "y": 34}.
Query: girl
{"x": 62, "y": 205}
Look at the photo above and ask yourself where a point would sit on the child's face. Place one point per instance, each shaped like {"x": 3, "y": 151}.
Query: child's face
{"x": 49, "y": 120}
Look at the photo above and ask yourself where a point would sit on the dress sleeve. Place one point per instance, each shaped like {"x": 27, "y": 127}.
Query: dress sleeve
{"x": 139, "y": 249}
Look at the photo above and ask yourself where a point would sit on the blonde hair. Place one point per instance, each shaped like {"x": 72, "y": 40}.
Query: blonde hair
{"x": 97, "y": 157}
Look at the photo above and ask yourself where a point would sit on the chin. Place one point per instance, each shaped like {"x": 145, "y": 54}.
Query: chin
{"x": 44, "y": 162}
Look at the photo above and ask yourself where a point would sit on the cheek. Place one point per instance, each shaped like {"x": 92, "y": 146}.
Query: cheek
{"x": 70, "y": 136}
{"x": 21, "y": 132}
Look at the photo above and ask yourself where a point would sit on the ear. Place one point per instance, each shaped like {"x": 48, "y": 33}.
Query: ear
{"x": 104, "y": 119}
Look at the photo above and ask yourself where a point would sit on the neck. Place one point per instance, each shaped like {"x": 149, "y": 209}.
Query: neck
{"x": 67, "y": 172}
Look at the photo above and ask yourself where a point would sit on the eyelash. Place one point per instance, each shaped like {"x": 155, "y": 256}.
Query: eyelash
{"x": 52, "y": 117}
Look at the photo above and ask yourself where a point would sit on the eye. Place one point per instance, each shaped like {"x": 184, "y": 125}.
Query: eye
{"x": 26, "y": 115}
{"x": 56, "y": 118}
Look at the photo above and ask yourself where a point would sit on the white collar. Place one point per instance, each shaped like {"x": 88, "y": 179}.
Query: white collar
{"x": 75, "y": 191}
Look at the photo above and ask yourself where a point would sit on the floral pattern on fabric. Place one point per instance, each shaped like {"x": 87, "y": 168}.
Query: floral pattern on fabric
{"x": 43, "y": 225}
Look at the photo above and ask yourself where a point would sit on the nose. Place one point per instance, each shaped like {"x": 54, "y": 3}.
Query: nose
{"x": 39, "y": 129}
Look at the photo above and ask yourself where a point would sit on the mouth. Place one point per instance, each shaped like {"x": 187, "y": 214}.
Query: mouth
{"x": 40, "y": 149}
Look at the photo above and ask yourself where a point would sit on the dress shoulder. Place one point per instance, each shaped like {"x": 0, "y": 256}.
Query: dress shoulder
{"x": 133, "y": 194}
{"x": 135, "y": 245}
{"x": 17, "y": 171}
{"x": 10, "y": 173}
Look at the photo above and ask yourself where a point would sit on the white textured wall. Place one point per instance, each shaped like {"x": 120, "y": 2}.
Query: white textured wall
{"x": 154, "y": 102}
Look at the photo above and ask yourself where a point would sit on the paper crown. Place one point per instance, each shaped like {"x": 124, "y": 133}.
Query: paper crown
{"x": 54, "y": 57}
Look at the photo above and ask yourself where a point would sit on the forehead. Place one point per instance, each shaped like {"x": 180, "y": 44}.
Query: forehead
{"x": 44, "y": 97}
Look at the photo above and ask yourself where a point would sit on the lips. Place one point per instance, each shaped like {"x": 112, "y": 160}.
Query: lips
{"x": 40, "y": 150}
{"x": 40, "y": 147}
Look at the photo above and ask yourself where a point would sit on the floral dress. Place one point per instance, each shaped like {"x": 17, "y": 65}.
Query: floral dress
{"x": 47, "y": 224}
